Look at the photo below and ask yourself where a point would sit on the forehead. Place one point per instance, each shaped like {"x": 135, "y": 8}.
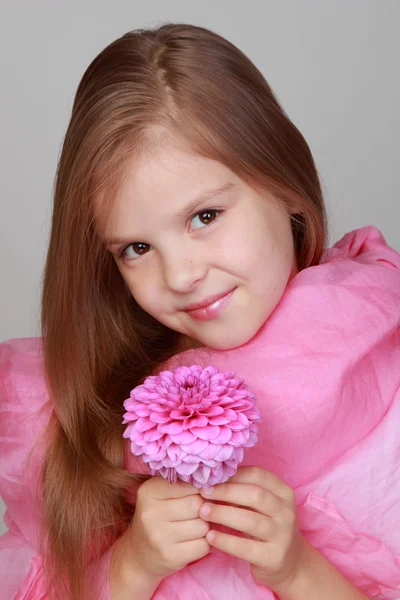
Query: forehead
{"x": 159, "y": 183}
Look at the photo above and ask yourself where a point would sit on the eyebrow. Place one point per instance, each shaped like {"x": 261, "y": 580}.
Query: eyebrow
{"x": 205, "y": 196}
{"x": 202, "y": 197}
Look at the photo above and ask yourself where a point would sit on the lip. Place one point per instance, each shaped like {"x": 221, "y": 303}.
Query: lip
{"x": 210, "y": 307}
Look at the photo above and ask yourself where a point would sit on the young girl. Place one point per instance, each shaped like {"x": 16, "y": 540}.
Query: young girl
{"x": 189, "y": 227}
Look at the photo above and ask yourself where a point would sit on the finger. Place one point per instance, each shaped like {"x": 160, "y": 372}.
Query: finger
{"x": 251, "y": 551}
{"x": 247, "y": 495}
{"x": 192, "y": 550}
{"x": 249, "y": 522}
{"x": 159, "y": 489}
{"x": 263, "y": 478}
{"x": 182, "y": 509}
{"x": 194, "y": 529}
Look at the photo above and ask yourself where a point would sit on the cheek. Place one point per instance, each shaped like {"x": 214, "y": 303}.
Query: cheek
{"x": 144, "y": 288}
{"x": 270, "y": 260}
{"x": 236, "y": 248}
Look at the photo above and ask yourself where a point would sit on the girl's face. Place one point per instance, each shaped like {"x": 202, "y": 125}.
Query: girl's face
{"x": 200, "y": 250}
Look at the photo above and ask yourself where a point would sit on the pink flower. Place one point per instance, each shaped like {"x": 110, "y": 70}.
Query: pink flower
{"x": 192, "y": 424}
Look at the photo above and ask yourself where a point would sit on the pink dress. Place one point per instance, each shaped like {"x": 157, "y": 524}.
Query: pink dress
{"x": 325, "y": 369}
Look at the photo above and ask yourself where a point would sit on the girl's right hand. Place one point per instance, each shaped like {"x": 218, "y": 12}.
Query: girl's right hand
{"x": 166, "y": 532}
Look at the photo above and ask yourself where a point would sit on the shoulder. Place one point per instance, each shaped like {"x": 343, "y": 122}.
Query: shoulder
{"x": 361, "y": 265}
{"x": 367, "y": 246}
{"x": 356, "y": 283}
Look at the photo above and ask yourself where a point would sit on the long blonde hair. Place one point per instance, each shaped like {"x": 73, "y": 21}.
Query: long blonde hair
{"x": 97, "y": 342}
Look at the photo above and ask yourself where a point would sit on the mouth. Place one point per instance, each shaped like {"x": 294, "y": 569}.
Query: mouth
{"x": 210, "y": 307}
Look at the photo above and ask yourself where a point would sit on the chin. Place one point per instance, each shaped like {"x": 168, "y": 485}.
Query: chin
{"x": 230, "y": 341}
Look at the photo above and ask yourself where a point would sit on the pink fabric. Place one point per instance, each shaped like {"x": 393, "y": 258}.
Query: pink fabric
{"x": 24, "y": 413}
{"x": 326, "y": 372}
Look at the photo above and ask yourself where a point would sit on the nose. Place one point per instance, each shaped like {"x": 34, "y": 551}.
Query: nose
{"x": 182, "y": 273}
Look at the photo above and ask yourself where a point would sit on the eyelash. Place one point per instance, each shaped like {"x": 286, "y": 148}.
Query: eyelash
{"x": 121, "y": 253}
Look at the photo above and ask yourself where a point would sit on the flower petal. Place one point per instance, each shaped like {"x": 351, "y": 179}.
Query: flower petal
{"x": 143, "y": 424}
{"x": 186, "y": 468}
{"x": 199, "y": 421}
{"x": 160, "y": 455}
{"x": 210, "y": 452}
{"x": 158, "y": 417}
{"x": 186, "y": 437}
{"x": 171, "y": 428}
{"x": 230, "y": 414}
{"x": 253, "y": 415}
{"x": 225, "y": 453}
{"x": 131, "y": 404}
{"x": 212, "y": 410}
{"x": 206, "y": 433}
{"x": 170, "y": 463}
{"x": 158, "y": 407}
{"x": 218, "y": 475}
{"x": 253, "y": 438}
{"x": 142, "y": 395}
{"x": 142, "y": 411}
{"x": 239, "y": 454}
{"x": 224, "y": 435}
{"x": 151, "y": 448}
{"x": 238, "y": 438}
{"x": 127, "y": 431}
{"x": 175, "y": 452}
{"x": 219, "y": 420}
{"x": 237, "y": 425}
{"x": 195, "y": 447}
{"x": 192, "y": 459}
{"x": 128, "y": 416}
{"x": 152, "y": 435}
{"x": 202, "y": 474}
{"x": 136, "y": 450}
{"x": 181, "y": 413}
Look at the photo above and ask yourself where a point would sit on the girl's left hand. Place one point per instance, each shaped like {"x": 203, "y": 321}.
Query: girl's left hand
{"x": 265, "y": 511}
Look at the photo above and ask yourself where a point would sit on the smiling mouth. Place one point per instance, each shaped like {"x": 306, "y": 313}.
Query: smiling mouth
{"x": 209, "y": 308}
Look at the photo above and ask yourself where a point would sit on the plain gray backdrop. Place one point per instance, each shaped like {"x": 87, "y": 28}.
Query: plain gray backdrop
{"x": 334, "y": 65}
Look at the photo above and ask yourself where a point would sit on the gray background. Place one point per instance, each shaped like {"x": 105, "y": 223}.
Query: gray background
{"x": 334, "y": 65}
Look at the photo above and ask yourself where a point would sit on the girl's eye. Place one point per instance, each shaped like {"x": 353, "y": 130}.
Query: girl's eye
{"x": 134, "y": 250}
{"x": 204, "y": 218}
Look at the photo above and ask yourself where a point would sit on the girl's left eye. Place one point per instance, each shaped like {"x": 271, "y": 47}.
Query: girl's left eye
{"x": 204, "y": 218}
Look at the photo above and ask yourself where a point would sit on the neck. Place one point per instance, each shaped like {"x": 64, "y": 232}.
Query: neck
{"x": 188, "y": 343}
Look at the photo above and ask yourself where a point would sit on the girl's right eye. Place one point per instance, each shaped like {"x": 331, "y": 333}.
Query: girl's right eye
{"x": 137, "y": 249}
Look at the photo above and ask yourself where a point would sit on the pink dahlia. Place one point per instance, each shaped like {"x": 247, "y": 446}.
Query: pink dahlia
{"x": 192, "y": 424}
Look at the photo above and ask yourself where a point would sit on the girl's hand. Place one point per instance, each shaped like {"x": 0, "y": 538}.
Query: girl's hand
{"x": 263, "y": 508}
{"x": 166, "y": 532}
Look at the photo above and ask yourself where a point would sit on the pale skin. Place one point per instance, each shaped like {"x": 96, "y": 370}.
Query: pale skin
{"x": 166, "y": 533}
{"x": 172, "y": 526}
{"x": 183, "y": 229}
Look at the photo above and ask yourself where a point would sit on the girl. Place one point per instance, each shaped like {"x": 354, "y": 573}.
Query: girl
{"x": 189, "y": 227}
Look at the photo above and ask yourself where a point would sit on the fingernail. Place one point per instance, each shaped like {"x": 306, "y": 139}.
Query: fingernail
{"x": 210, "y": 536}
{"x": 205, "y": 509}
{"x": 207, "y": 491}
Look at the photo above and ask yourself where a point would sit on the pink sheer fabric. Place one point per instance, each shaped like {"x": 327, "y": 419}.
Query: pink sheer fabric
{"x": 24, "y": 413}
{"x": 326, "y": 372}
